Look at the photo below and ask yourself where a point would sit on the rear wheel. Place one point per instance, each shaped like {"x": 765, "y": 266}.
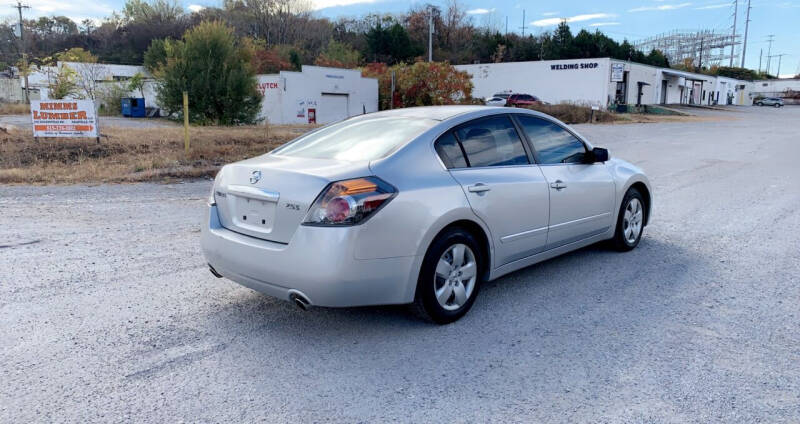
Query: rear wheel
{"x": 777, "y": 105}
{"x": 630, "y": 222}
{"x": 450, "y": 277}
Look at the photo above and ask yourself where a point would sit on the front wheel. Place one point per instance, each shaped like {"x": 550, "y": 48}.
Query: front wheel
{"x": 450, "y": 277}
{"x": 630, "y": 222}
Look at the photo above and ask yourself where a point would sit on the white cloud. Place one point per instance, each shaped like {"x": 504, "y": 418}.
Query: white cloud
{"x": 599, "y": 24}
{"x": 57, "y": 7}
{"x": 576, "y": 18}
{"x": 195, "y": 7}
{"x": 549, "y": 13}
{"x": 480, "y": 11}
{"x": 659, "y": 8}
{"x": 324, "y": 4}
{"x": 713, "y": 6}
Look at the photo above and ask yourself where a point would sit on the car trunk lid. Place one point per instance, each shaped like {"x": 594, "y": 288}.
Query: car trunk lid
{"x": 268, "y": 196}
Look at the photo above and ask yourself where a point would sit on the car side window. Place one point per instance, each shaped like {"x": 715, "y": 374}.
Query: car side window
{"x": 450, "y": 151}
{"x": 492, "y": 142}
{"x": 553, "y": 144}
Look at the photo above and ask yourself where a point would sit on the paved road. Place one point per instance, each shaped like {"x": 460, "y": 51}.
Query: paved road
{"x": 107, "y": 312}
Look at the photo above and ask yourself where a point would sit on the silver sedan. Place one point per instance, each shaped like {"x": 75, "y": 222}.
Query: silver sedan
{"x": 418, "y": 205}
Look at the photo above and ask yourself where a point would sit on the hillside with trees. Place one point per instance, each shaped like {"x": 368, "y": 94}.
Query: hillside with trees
{"x": 286, "y": 34}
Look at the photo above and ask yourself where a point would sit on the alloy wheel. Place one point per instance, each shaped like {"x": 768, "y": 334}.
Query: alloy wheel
{"x": 632, "y": 220}
{"x": 456, "y": 274}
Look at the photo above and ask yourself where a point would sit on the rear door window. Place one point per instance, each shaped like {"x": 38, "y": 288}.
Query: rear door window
{"x": 492, "y": 142}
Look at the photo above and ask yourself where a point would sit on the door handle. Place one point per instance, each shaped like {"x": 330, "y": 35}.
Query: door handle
{"x": 558, "y": 185}
{"x": 479, "y": 188}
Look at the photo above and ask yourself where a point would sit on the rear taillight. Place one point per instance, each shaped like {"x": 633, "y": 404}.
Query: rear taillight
{"x": 349, "y": 202}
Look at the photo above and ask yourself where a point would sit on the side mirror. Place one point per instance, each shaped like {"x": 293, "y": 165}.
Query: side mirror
{"x": 598, "y": 154}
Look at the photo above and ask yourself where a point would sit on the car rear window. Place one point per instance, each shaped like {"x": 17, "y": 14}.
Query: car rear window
{"x": 358, "y": 139}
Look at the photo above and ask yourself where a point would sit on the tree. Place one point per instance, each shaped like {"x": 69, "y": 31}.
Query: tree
{"x": 420, "y": 84}
{"x": 90, "y": 76}
{"x": 269, "y": 61}
{"x": 294, "y": 59}
{"x": 657, "y": 58}
{"x": 216, "y": 71}
{"x": 338, "y": 55}
{"x": 390, "y": 44}
{"x": 62, "y": 83}
{"x": 76, "y": 54}
{"x": 136, "y": 83}
{"x": 155, "y": 56}
{"x": 153, "y": 11}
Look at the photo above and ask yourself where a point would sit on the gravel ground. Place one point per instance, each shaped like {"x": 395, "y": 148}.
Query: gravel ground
{"x": 107, "y": 312}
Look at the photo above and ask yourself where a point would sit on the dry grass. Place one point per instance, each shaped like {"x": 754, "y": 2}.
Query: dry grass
{"x": 577, "y": 114}
{"x": 574, "y": 114}
{"x": 14, "y": 109}
{"x": 130, "y": 155}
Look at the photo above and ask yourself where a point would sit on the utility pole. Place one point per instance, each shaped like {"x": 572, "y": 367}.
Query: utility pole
{"x": 733, "y": 37}
{"x": 746, "y": 28}
{"x": 779, "y": 56}
{"x": 506, "y": 26}
{"x": 19, "y": 6}
{"x": 770, "y": 38}
{"x": 760, "y": 55}
{"x": 430, "y": 34}
{"x": 523, "y": 23}
{"x": 700, "y": 64}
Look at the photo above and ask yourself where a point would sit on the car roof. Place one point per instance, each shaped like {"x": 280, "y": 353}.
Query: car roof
{"x": 439, "y": 113}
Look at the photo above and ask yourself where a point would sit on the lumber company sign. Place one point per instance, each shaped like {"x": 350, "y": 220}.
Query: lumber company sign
{"x": 64, "y": 118}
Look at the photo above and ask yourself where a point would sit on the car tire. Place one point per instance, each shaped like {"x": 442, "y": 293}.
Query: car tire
{"x": 777, "y": 105}
{"x": 445, "y": 290}
{"x": 759, "y": 104}
{"x": 630, "y": 222}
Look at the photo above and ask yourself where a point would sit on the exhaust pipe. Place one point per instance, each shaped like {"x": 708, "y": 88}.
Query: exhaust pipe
{"x": 299, "y": 300}
{"x": 214, "y": 271}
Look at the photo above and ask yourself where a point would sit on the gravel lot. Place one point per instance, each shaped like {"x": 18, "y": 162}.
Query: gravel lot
{"x": 107, "y": 312}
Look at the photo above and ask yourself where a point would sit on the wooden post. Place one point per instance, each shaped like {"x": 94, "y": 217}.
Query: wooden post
{"x": 186, "y": 122}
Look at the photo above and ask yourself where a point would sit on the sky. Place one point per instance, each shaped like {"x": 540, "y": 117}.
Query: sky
{"x": 626, "y": 19}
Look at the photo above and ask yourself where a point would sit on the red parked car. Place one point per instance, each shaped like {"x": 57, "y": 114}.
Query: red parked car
{"x": 522, "y": 100}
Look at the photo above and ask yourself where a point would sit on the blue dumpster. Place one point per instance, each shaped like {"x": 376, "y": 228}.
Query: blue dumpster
{"x": 133, "y": 107}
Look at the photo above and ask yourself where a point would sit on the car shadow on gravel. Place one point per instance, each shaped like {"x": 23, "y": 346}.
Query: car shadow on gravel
{"x": 594, "y": 277}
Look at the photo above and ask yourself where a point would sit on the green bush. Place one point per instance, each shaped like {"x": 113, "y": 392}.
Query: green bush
{"x": 110, "y": 99}
{"x": 217, "y": 73}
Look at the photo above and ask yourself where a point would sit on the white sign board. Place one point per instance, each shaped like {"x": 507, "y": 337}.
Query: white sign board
{"x": 64, "y": 118}
{"x": 617, "y": 72}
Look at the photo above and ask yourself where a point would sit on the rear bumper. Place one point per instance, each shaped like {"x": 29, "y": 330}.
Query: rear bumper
{"x": 319, "y": 263}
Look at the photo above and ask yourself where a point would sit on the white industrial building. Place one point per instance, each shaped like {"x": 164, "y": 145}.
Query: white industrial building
{"x": 102, "y": 73}
{"x": 313, "y": 95}
{"x": 788, "y": 89}
{"x": 602, "y": 82}
{"x": 316, "y": 95}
